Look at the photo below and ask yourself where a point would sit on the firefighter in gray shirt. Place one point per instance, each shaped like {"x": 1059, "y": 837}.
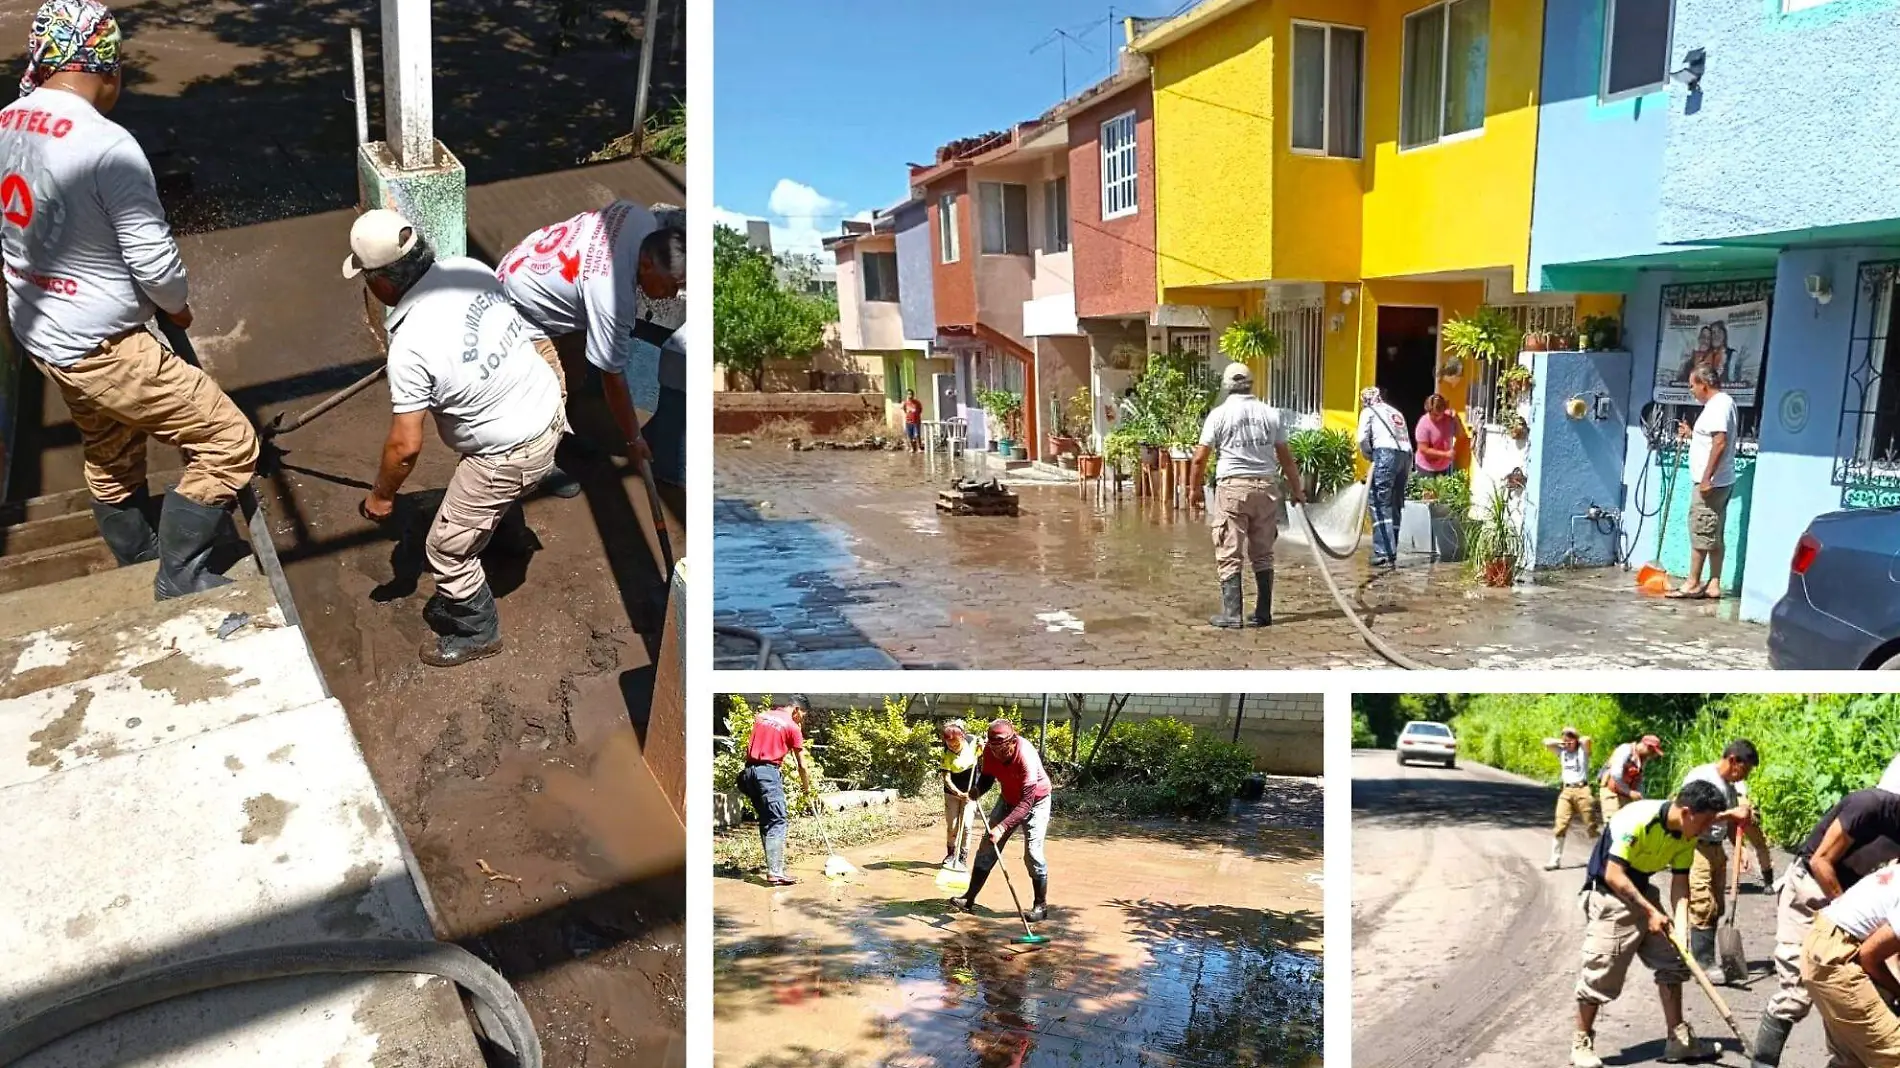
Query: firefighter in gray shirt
{"x": 1253, "y": 458}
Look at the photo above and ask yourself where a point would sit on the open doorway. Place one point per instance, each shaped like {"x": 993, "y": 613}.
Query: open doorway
{"x": 1407, "y": 368}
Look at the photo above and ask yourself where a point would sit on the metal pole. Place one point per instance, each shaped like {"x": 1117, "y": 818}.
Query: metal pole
{"x": 648, "y": 31}
{"x": 1042, "y": 742}
{"x": 1237, "y": 715}
{"x": 362, "y": 86}
{"x": 408, "y": 90}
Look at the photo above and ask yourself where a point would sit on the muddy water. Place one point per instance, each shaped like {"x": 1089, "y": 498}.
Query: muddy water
{"x": 1166, "y": 947}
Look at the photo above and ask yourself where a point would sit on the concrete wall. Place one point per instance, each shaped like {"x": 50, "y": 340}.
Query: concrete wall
{"x": 1794, "y": 125}
{"x": 1285, "y": 731}
{"x": 1114, "y": 258}
{"x": 1599, "y": 166}
{"x": 915, "y": 285}
{"x": 1574, "y": 463}
{"x": 825, "y": 413}
{"x": 866, "y": 325}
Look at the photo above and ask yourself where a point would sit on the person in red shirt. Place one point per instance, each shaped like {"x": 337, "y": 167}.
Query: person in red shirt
{"x": 913, "y": 420}
{"x": 1010, "y": 760}
{"x": 775, "y": 732}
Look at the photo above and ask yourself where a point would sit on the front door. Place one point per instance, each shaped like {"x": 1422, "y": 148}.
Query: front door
{"x": 1407, "y": 368}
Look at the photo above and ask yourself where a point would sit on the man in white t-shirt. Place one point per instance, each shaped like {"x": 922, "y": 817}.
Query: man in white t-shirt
{"x": 599, "y": 274}
{"x": 1384, "y": 439}
{"x": 1708, "y": 878}
{"x": 1712, "y": 465}
{"x": 1246, "y": 522}
{"x": 459, "y": 350}
{"x": 1573, "y": 799}
{"x": 1845, "y": 966}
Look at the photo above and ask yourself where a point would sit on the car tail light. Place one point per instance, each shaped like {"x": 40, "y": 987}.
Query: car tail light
{"x": 1805, "y": 551}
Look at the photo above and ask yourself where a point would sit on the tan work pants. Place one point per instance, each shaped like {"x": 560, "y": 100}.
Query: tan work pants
{"x": 545, "y": 346}
{"x": 1861, "y": 1031}
{"x": 482, "y": 489}
{"x": 1801, "y": 898}
{"x": 959, "y": 821}
{"x": 1708, "y": 885}
{"x": 1576, "y": 801}
{"x": 1612, "y": 803}
{"x": 1245, "y": 519}
{"x": 1613, "y": 937}
{"x": 132, "y": 388}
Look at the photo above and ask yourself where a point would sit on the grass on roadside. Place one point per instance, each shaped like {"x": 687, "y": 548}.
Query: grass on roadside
{"x": 737, "y": 851}
{"x": 783, "y": 428}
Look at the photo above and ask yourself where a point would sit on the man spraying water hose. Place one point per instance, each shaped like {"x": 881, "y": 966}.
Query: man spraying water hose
{"x": 1009, "y": 759}
{"x": 1384, "y": 440}
{"x": 1253, "y": 456}
{"x": 775, "y": 732}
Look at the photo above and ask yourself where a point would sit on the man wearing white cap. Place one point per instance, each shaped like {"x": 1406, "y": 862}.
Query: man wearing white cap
{"x": 1253, "y": 456}
{"x": 588, "y": 275}
{"x": 89, "y": 261}
{"x": 460, "y": 350}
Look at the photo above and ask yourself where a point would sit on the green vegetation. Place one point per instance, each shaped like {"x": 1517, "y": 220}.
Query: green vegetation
{"x": 1489, "y": 334}
{"x": 1004, "y": 407}
{"x": 1249, "y": 341}
{"x": 1452, "y": 490}
{"x": 1170, "y": 402}
{"x": 1328, "y": 459}
{"x": 1815, "y": 748}
{"x": 755, "y": 317}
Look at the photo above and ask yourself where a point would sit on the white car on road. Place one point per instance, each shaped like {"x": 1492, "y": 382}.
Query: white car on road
{"x": 1422, "y": 740}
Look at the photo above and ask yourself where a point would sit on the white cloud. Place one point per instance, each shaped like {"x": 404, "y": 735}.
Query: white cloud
{"x": 801, "y": 217}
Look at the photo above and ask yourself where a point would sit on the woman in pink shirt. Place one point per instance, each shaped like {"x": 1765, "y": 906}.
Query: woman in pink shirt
{"x": 1436, "y": 437}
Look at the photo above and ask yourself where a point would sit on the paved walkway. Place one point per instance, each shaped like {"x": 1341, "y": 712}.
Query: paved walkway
{"x": 1171, "y": 946}
{"x": 841, "y": 559}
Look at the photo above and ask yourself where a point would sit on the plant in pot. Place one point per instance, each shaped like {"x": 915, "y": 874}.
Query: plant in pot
{"x": 1328, "y": 460}
{"x": 1005, "y": 409}
{"x": 1601, "y": 332}
{"x": 1121, "y": 449}
{"x": 1487, "y": 334}
{"x": 1537, "y": 341}
{"x": 1250, "y": 341}
{"x": 1496, "y": 544}
{"x": 1073, "y": 424}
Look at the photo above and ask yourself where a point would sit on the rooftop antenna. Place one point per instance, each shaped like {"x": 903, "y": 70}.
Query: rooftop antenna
{"x": 1066, "y": 38}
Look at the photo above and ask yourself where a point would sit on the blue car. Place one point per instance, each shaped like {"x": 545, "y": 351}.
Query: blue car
{"x": 1842, "y": 608}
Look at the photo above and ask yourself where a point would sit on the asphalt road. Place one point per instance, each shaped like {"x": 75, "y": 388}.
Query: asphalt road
{"x": 1465, "y": 951}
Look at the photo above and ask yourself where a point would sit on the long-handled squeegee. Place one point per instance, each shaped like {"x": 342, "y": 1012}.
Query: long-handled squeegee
{"x": 1029, "y": 937}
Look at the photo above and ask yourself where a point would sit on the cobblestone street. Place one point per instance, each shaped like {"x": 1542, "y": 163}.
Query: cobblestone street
{"x": 842, "y": 561}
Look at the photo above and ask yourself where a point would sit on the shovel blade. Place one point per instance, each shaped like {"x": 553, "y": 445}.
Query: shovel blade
{"x": 1728, "y": 950}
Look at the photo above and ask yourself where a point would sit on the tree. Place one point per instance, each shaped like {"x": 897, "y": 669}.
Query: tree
{"x": 755, "y": 318}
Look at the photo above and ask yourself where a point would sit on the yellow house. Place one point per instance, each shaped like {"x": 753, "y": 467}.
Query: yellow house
{"x": 1359, "y": 171}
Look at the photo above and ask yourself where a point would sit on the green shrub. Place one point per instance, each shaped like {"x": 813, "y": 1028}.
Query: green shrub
{"x": 881, "y": 749}
{"x": 1328, "y": 459}
{"x": 1452, "y": 489}
{"x": 1202, "y": 777}
{"x": 1138, "y": 751}
{"x": 1507, "y": 730}
{"x": 1362, "y": 736}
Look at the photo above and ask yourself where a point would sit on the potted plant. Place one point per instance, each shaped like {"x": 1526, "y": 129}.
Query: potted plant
{"x": 1250, "y": 341}
{"x": 1516, "y": 426}
{"x": 1537, "y": 341}
{"x": 1074, "y": 424}
{"x": 1601, "y": 332}
{"x": 1121, "y": 449}
{"x": 1328, "y": 460}
{"x": 1489, "y": 334}
{"x": 1446, "y": 502}
{"x": 1005, "y": 409}
{"x": 1496, "y": 545}
{"x": 1513, "y": 383}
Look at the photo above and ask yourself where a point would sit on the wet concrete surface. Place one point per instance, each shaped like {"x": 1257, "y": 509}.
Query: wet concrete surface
{"x": 1170, "y": 944}
{"x": 842, "y": 560}
{"x": 1466, "y": 952}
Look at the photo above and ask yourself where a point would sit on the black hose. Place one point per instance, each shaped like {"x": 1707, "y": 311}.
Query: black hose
{"x": 341, "y": 957}
{"x": 748, "y": 634}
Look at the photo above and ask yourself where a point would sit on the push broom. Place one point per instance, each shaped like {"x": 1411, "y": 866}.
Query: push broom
{"x": 949, "y": 878}
{"x": 836, "y": 867}
{"x": 1029, "y": 937}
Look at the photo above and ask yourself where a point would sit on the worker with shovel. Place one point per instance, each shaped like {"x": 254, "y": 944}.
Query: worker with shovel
{"x": 89, "y": 261}
{"x": 1253, "y": 458}
{"x": 1844, "y": 965}
{"x": 1855, "y": 838}
{"x": 1573, "y": 799}
{"x": 460, "y": 351}
{"x": 1027, "y": 796}
{"x": 1707, "y": 894}
{"x": 775, "y": 733}
{"x": 959, "y": 764}
{"x": 588, "y": 275}
{"x": 1627, "y": 920}
{"x": 1621, "y": 780}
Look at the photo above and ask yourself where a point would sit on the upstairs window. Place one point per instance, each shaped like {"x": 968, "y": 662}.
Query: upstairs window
{"x": 1328, "y": 89}
{"x": 1003, "y": 215}
{"x": 1055, "y": 215}
{"x": 880, "y": 276}
{"x": 1636, "y": 47}
{"x": 1119, "y": 167}
{"x": 1447, "y": 51}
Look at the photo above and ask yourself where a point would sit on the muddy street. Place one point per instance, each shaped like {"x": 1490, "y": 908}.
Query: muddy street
{"x": 1465, "y": 951}
{"x": 1169, "y": 944}
{"x": 842, "y": 560}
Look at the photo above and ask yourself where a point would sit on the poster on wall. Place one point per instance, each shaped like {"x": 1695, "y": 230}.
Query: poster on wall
{"x": 1729, "y": 340}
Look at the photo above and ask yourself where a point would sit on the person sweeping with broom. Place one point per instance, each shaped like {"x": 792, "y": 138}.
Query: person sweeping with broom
{"x": 1027, "y": 793}
{"x": 960, "y": 755}
{"x": 775, "y": 732}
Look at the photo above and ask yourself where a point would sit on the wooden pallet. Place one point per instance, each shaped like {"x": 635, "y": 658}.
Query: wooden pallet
{"x": 962, "y": 502}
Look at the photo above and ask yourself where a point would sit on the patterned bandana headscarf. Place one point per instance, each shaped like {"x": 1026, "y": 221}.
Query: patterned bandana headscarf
{"x": 1370, "y": 396}
{"x": 70, "y": 35}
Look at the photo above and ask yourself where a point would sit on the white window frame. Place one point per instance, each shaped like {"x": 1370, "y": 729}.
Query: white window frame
{"x": 1604, "y": 96}
{"x": 1002, "y": 206}
{"x": 1326, "y": 95}
{"x": 1131, "y": 179}
{"x": 1444, "y": 79}
{"x": 949, "y": 244}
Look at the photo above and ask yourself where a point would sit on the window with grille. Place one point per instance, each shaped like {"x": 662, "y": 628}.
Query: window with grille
{"x": 1120, "y": 163}
{"x": 1003, "y": 217}
{"x": 1446, "y": 56}
{"x": 1328, "y": 89}
{"x": 1481, "y": 376}
{"x": 1055, "y": 214}
{"x": 1867, "y": 452}
{"x": 880, "y": 276}
{"x": 1198, "y": 342}
{"x": 1294, "y": 376}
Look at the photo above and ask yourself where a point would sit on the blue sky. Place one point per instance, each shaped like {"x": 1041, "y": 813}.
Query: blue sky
{"x": 819, "y": 104}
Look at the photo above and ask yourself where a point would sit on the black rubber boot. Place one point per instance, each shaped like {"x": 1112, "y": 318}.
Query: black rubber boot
{"x": 559, "y": 483}
{"x": 979, "y": 874}
{"x": 188, "y": 533}
{"x": 1770, "y": 1036}
{"x": 1263, "y": 608}
{"x": 1702, "y": 947}
{"x": 1229, "y": 617}
{"x": 127, "y": 528}
{"x": 1040, "y": 910}
{"x": 465, "y": 630}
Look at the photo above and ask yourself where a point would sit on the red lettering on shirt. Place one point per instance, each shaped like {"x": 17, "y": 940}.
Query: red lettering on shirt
{"x": 39, "y": 122}
{"x": 51, "y": 283}
{"x": 62, "y": 127}
{"x": 16, "y": 201}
